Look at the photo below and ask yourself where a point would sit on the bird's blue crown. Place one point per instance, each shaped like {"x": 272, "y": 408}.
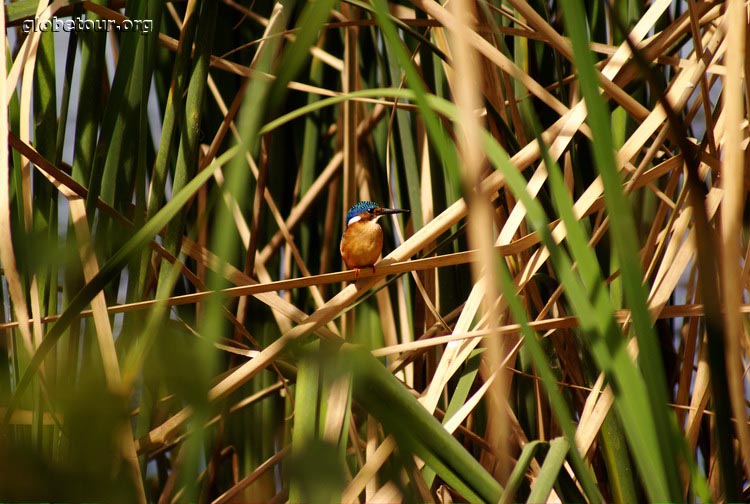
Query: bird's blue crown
{"x": 362, "y": 206}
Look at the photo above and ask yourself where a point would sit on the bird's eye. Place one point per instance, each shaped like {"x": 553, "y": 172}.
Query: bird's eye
{"x": 372, "y": 210}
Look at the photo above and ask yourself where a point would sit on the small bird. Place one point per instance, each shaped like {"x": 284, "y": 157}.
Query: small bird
{"x": 362, "y": 241}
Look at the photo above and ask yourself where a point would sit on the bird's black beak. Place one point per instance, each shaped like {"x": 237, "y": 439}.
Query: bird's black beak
{"x": 388, "y": 211}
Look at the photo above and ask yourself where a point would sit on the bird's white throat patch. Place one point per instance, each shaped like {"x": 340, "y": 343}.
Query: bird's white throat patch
{"x": 358, "y": 218}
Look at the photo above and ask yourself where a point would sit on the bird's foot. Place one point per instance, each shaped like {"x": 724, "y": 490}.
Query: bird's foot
{"x": 357, "y": 270}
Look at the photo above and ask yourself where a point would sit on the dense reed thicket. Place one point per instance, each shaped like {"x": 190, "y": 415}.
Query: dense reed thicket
{"x": 562, "y": 316}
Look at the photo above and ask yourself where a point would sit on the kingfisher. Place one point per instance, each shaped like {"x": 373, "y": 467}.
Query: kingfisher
{"x": 362, "y": 241}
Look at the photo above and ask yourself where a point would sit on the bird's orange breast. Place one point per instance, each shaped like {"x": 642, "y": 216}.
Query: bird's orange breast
{"x": 361, "y": 244}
